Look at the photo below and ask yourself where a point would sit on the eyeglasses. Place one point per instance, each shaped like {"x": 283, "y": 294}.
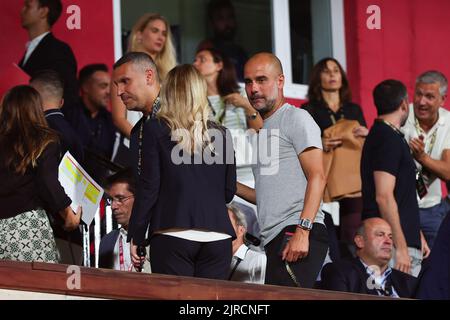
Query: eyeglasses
{"x": 119, "y": 200}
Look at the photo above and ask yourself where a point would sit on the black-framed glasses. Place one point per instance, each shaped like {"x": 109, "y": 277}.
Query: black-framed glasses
{"x": 118, "y": 199}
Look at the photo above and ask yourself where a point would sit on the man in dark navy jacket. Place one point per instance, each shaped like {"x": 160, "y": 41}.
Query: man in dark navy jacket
{"x": 44, "y": 51}
{"x": 50, "y": 87}
{"x": 369, "y": 272}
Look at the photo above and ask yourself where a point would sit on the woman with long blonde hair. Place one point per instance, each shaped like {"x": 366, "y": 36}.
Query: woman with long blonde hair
{"x": 151, "y": 34}
{"x": 188, "y": 176}
{"x": 29, "y": 186}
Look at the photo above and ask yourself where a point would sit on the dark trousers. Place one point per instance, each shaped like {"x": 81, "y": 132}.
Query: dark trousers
{"x": 305, "y": 270}
{"x": 180, "y": 257}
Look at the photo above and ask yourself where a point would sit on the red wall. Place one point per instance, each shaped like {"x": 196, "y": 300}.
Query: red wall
{"x": 413, "y": 38}
{"x": 94, "y": 42}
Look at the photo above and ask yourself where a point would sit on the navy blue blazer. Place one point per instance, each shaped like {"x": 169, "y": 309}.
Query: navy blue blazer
{"x": 56, "y": 55}
{"x": 185, "y": 196}
{"x": 351, "y": 276}
{"x": 68, "y": 138}
{"x": 106, "y": 250}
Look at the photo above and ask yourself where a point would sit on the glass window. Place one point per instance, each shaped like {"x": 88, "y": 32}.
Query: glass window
{"x": 311, "y": 38}
{"x": 240, "y": 27}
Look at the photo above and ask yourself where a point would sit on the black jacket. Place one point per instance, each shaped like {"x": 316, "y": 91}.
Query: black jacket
{"x": 351, "y": 276}
{"x": 53, "y": 54}
{"x": 184, "y": 196}
{"x": 106, "y": 250}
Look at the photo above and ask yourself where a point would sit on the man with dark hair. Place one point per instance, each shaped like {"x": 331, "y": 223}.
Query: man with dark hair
{"x": 428, "y": 133}
{"x": 221, "y": 15}
{"x": 92, "y": 120}
{"x": 51, "y": 89}
{"x": 369, "y": 272}
{"x": 114, "y": 251}
{"x": 136, "y": 82}
{"x": 388, "y": 177}
{"x": 44, "y": 51}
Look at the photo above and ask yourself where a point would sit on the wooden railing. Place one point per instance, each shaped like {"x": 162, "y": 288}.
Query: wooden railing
{"x": 110, "y": 284}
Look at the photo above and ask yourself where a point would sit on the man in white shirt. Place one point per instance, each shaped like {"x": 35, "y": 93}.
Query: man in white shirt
{"x": 427, "y": 131}
{"x": 247, "y": 265}
{"x": 114, "y": 251}
{"x": 44, "y": 51}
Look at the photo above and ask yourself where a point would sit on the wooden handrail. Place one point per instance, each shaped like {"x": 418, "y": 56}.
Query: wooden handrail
{"x": 110, "y": 284}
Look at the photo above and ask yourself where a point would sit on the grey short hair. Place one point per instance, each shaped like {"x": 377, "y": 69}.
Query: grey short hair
{"x": 238, "y": 215}
{"x": 140, "y": 59}
{"x": 434, "y": 76}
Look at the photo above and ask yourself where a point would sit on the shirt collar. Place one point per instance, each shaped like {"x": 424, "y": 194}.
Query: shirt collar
{"x": 441, "y": 121}
{"x": 372, "y": 272}
{"x": 241, "y": 252}
{"x": 123, "y": 233}
{"x": 36, "y": 40}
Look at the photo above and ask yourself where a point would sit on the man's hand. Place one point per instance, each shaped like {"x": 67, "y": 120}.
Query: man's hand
{"x": 403, "y": 260}
{"x": 418, "y": 148}
{"x": 137, "y": 261}
{"x": 330, "y": 144}
{"x": 425, "y": 248}
{"x": 237, "y": 100}
{"x": 71, "y": 219}
{"x": 360, "y": 132}
{"x": 297, "y": 247}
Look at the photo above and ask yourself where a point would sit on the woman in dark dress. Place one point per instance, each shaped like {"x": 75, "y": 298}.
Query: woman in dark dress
{"x": 329, "y": 101}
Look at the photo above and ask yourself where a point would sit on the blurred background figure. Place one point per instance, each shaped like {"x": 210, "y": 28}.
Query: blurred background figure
{"x": 93, "y": 122}
{"x": 51, "y": 89}
{"x": 330, "y": 101}
{"x": 222, "y": 18}
{"x": 44, "y": 51}
{"x": 29, "y": 186}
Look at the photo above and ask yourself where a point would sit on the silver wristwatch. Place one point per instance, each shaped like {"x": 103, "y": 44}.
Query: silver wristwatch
{"x": 305, "y": 224}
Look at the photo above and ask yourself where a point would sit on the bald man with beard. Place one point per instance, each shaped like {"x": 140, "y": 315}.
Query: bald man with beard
{"x": 289, "y": 179}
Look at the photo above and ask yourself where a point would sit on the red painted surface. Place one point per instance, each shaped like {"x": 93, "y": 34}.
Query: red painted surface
{"x": 413, "y": 39}
{"x": 93, "y": 43}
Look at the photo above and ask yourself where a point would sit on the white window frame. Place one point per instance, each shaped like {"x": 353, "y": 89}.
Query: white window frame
{"x": 281, "y": 39}
{"x": 117, "y": 22}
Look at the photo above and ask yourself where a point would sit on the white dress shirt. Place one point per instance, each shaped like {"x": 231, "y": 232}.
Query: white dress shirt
{"x": 251, "y": 269}
{"x": 31, "y": 46}
{"x": 126, "y": 252}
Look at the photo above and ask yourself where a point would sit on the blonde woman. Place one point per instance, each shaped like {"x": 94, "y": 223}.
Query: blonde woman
{"x": 151, "y": 34}
{"x": 188, "y": 176}
{"x": 29, "y": 186}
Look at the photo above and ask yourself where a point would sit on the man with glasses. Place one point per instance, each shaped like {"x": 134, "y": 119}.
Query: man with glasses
{"x": 114, "y": 252}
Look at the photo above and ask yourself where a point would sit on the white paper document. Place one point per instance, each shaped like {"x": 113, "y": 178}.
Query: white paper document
{"x": 79, "y": 187}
